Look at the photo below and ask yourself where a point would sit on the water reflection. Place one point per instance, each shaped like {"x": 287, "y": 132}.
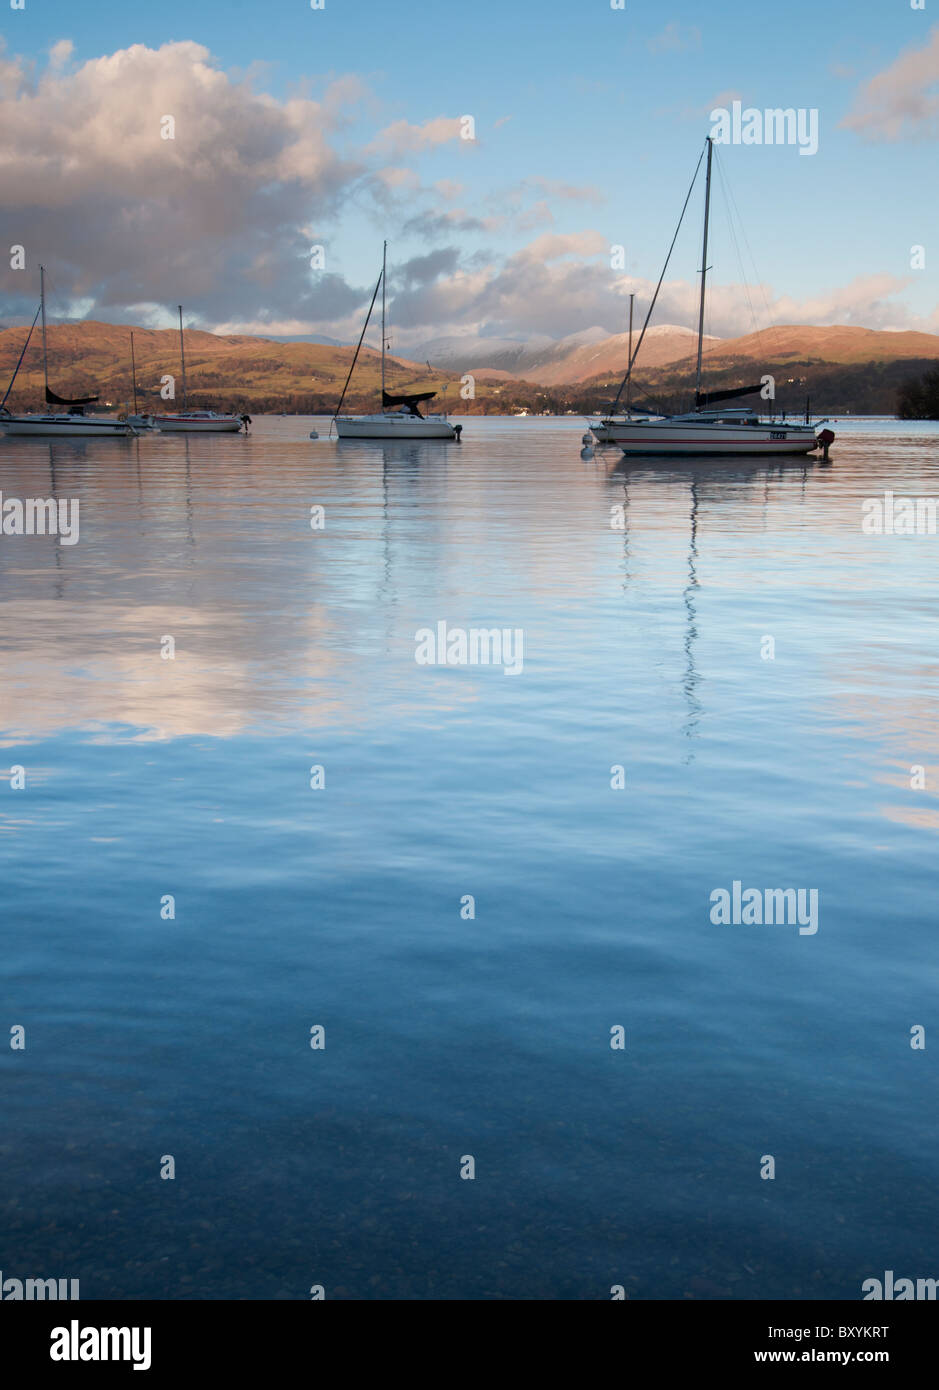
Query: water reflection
{"x": 718, "y": 478}
{"x": 279, "y": 627}
{"x": 296, "y": 647}
{"x": 691, "y": 675}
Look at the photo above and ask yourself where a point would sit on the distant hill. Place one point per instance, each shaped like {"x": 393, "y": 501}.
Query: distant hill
{"x": 221, "y": 371}
{"x": 854, "y": 368}
{"x": 839, "y": 344}
{"x": 561, "y": 361}
{"x": 843, "y": 370}
{"x": 585, "y": 357}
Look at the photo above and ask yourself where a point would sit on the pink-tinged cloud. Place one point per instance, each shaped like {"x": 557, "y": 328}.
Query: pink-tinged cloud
{"x": 554, "y": 246}
{"x": 401, "y": 137}
{"x": 903, "y": 100}
{"x": 399, "y": 178}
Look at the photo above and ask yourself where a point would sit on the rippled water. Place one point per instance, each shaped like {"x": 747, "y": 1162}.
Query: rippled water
{"x": 446, "y": 1035}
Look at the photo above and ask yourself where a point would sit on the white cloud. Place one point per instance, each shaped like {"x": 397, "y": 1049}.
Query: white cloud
{"x": 223, "y": 217}
{"x": 399, "y": 178}
{"x": 903, "y": 100}
{"x": 403, "y": 138}
{"x": 553, "y": 246}
{"x": 60, "y": 53}
{"x": 213, "y": 216}
{"x": 561, "y": 285}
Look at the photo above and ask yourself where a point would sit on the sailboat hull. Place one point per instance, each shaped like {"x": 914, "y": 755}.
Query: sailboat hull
{"x": 196, "y": 424}
{"x": 394, "y": 426}
{"x": 78, "y": 426}
{"x": 689, "y": 439}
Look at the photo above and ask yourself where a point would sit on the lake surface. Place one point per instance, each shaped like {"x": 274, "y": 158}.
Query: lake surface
{"x": 780, "y": 763}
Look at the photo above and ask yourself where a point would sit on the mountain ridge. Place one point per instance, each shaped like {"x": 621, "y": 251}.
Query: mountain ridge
{"x": 264, "y": 373}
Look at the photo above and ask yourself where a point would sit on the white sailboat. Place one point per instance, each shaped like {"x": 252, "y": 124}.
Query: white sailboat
{"x": 399, "y": 417}
{"x": 704, "y": 430}
{"x": 195, "y": 421}
{"x": 72, "y": 423}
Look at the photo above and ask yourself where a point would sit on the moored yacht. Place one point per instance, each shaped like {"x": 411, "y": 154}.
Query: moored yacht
{"x": 709, "y": 428}
{"x": 399, "y": 417}
{"x": 398, "y": 421}
{"x": 706, "y": 432}
{"x": 72, "y": 422}
{"x": 195, "y": 421}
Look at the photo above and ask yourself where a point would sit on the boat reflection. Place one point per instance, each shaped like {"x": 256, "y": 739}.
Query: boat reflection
{"x": 654, "y": 480}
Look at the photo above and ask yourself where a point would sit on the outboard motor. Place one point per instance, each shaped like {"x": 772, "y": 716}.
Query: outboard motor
{"x": 825, "y": 439}
{"x": 458, "y": 430}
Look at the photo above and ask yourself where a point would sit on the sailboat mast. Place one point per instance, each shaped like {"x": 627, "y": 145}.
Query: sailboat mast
{"x": 384, "y": 262}
{"x": 704, "y": 268}
{"x": 630, "y": 365}
{"x": 182, "y": 358}
{"x": 42, "y": 301}
{"x": 133, "y": 369}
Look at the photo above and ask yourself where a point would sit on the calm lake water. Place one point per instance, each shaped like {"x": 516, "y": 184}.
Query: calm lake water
{"x": 782, "y": 763}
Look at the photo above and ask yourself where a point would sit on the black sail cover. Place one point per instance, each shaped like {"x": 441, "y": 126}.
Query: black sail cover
{"x": 707, "y": 397}
{"x": 53, "y": 399}
{"x": 410, "y": 401}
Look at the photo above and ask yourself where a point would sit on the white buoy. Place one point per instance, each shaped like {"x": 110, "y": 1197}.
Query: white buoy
{"x": 586, "y": 453}
{"x": 313, "y": 434}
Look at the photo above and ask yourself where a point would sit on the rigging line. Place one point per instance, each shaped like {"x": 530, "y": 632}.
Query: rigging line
{"x": 649, "y": 395}
{"x": 59, "y": 308}
{"x": 359, "y": 345}
{"x": 658, "y": 286}
{"x": 58, "y": 303}
{"x": 22, "y": 355}
{"x": 771, "y": 324}
{"x": 725, "y": 189}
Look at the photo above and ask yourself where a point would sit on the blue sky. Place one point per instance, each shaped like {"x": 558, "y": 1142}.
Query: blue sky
{"x": 588, "y": 121}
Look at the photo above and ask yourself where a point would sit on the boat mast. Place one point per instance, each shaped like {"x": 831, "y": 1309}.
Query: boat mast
{"x": 384, "y": 262}
{"x": 42, "y": 302}
{"x": 629, "y": 372}
{"x": 182, "y": 358}
{"x": 133, "y": 369}
{"x": 358, "y": 349}
{"x": 704, "y": 269}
